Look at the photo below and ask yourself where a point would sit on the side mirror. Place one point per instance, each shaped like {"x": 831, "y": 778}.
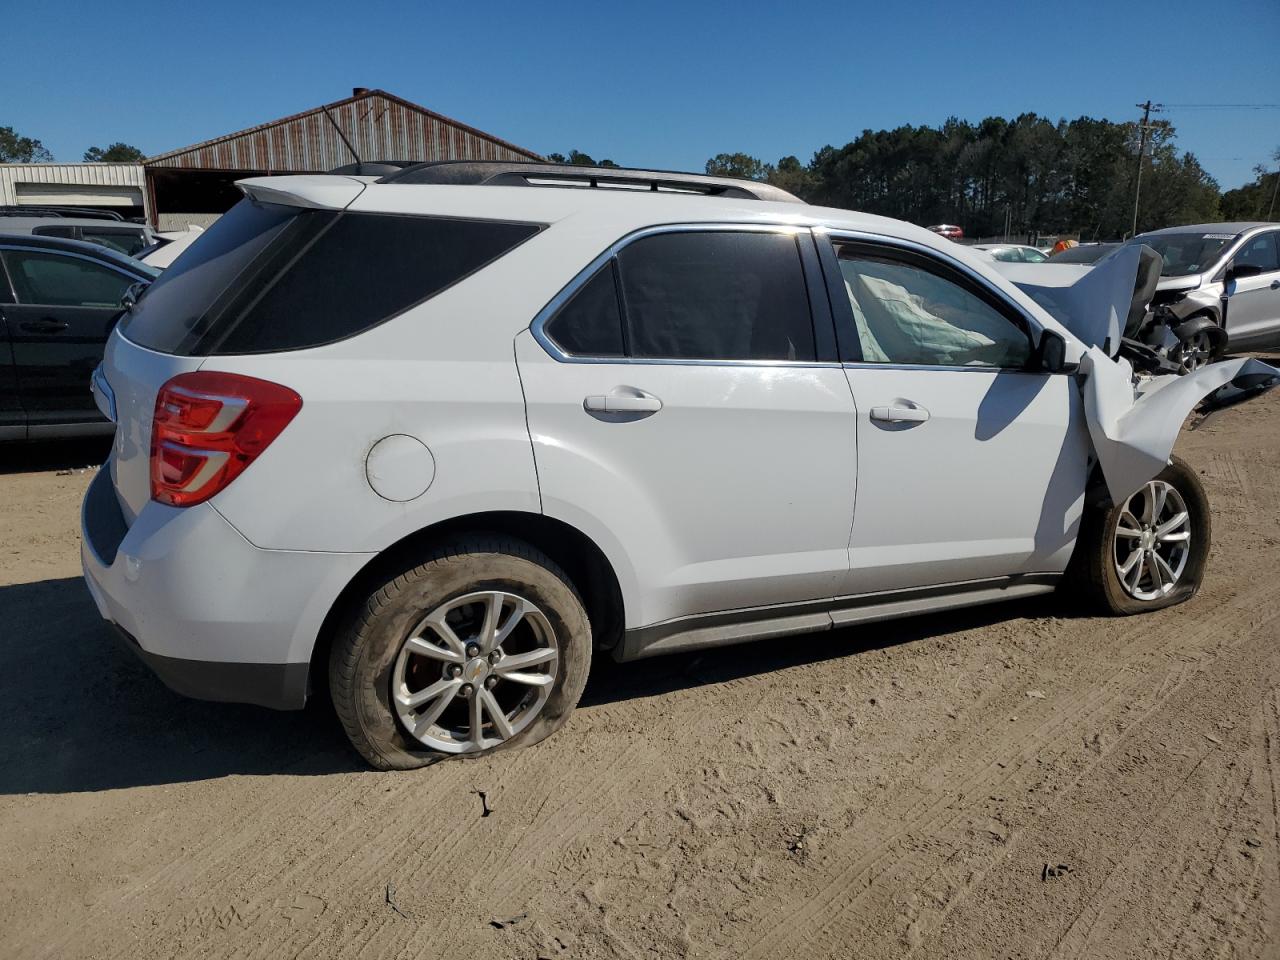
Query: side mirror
{"x": 1051, "y": 354}
{"x": 1238, "y": 271}
{"x": 131, "y": 295}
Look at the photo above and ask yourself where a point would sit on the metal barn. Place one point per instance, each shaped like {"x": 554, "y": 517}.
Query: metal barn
{"x": 195, "y": 184}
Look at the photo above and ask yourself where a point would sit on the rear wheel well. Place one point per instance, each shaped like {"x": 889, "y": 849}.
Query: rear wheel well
{"x": 585, "y": 563}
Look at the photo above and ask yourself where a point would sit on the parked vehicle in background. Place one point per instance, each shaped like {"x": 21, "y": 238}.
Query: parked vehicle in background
{"x": 108, "y": 230}
{"x": 1083, "y": 253}
{"x": 948, "y": 230}
{"x": 1012, "y": 252}
{"x": 168, "y": 247}
{"x": 1227, "y": 277}
{"x": 59, "y": 300}
{"x": 437, "y": 440}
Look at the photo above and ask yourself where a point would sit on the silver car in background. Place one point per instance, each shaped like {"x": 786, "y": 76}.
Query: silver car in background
{"x": 1225, "y": 279}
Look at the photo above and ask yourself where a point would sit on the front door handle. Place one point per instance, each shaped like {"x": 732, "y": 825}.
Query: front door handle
{"x": 631, "y": 402}
{"x": 900, "y": 413}
{"x": 43, "y": 326}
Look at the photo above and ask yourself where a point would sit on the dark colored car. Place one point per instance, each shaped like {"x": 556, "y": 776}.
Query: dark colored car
{"x": 108, "y": 229}
{"x": 59, "y": 300}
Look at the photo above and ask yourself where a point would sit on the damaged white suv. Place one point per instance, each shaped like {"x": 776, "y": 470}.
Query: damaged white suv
{"x": 434, "y": 441}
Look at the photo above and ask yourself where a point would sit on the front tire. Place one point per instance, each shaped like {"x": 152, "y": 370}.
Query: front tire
{"x": 484, "y": 645}
{"x": 1149, "y": 552}
{"x": 1194, "y": 353}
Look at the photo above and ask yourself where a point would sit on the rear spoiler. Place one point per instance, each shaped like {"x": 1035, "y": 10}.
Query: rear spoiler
{"x": 308, "y": 192}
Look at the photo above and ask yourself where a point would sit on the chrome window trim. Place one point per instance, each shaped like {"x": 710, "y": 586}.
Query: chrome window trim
{"x": 537, "y": 327}
{"x": 954, "y": 368}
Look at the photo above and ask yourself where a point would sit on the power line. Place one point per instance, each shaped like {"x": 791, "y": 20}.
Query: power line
{"x": 1222, "y": 106}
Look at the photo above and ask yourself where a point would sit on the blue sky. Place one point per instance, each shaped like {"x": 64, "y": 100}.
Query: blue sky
{"x": 657, "y": 84}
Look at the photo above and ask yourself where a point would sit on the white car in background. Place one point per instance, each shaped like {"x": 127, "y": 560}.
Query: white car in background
{"x": 437, "y": 440}
{"x": 1012, "y": 252}
{"x": 168, "y": 246}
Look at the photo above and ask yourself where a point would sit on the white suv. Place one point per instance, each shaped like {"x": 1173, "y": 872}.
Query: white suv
{"x": 434, "y": 441}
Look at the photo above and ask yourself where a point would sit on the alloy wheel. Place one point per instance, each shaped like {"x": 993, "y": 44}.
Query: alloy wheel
{"x": 1152, "y": 541}
{"x": 475, "y": 671}
{"x": 1195, "y": 352}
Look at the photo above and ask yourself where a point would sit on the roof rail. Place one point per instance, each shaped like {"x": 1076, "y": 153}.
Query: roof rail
{"x": 531, "y": 174}
{"x": 370, "y": 168}
{"x": 41, "y": 210}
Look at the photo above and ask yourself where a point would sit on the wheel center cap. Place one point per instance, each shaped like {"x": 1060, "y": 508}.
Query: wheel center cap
{"x": 1148, "y": 539}
{"x": 475, "y": 670}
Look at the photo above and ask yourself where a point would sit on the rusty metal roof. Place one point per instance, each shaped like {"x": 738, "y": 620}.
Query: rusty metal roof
{"x": 379, "y": 125}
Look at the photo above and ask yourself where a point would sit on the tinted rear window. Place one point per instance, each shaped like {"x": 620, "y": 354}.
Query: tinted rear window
{"x": 266, "y": 278}
{"x": 590, "y": 324}
{"x": 716, "y": 296}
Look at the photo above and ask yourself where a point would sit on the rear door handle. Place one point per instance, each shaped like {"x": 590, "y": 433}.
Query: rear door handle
{"x": 622, "y": 403}
{"x": 900, "y": 413}
{"x": 43, "y": 326}
{"x": 1275, "y": 284}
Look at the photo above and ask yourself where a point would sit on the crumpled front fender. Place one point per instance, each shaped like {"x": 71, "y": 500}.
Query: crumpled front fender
{"x": 1133, "y": 431}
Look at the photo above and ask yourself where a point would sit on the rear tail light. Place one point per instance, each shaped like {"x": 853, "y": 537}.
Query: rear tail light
{"x": 208, "y": 428}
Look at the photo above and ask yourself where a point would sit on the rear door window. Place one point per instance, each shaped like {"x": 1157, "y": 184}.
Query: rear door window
{"x": 716, "y": 295}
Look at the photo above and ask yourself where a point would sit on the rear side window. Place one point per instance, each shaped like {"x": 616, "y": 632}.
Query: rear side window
{"x": 286, "y": 279}
{"x": 128, "y": 242}
{"x": 56, "y": 280}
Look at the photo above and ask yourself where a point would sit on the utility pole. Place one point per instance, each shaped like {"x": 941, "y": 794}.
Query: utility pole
{"x": 1274, "y": 190}
{"x": 1147, "y": 108}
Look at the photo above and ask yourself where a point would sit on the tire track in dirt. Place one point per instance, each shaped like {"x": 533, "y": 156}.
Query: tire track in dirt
{"x": 856, "y": 872}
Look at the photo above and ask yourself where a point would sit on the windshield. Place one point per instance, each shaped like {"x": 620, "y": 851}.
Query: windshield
{"x": 1186, "y": 253}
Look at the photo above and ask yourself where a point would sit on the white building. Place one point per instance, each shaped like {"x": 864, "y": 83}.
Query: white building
{"x": 113, "y": 186}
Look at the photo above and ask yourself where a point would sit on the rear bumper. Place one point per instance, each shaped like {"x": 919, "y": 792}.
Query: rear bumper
{"x": 214, "y": 616}
{"x": 281, "y": 686}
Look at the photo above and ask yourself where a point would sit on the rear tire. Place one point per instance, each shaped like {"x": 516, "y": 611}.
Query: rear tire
{"x": 1139, "y": 556}
{"x": 421, "y": 636}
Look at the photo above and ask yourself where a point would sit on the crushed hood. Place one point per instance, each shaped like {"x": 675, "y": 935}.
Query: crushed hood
{"x": 1093, "y": 301}
{"x": 1133, "y": 429}
{"x": 1133, "y": 420}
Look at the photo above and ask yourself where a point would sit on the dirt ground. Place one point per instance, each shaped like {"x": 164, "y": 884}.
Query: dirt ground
{"x": 1014, "y": 781}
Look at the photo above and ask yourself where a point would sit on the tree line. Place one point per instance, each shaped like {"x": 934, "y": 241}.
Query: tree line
{"x": 1027, "y": 175}
{"x": 15, "y": 148}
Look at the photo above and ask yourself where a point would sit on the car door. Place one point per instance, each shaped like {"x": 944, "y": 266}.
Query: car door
{"x": 688, "y": 411}
{"x": 1253, "y": 303}
{"x": 65, "y": 307}
{"x": 13, "y": 419}
{"x": 971, "y": 466}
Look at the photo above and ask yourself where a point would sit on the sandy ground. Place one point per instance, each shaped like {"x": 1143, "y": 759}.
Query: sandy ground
{"x": 1016, "y": 781}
